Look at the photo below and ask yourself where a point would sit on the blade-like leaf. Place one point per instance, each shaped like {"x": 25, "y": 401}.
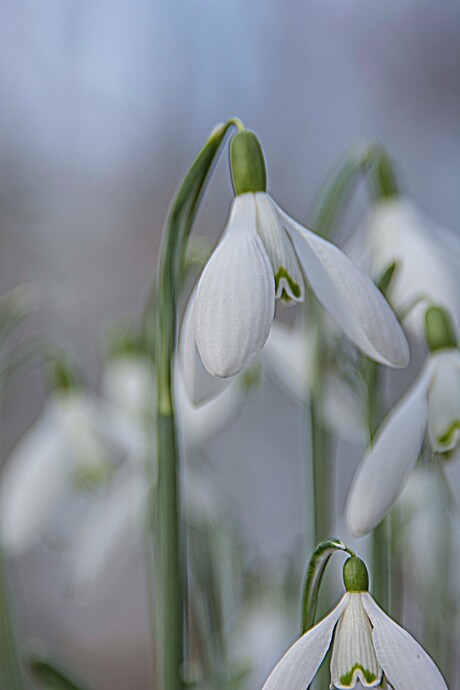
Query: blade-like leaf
{"x": 315, "y": 572}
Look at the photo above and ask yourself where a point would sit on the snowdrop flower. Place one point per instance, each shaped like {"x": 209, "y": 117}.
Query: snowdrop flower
{"x": 62, "y": 450}
{"x": 431, "y": 407}
{"x": 289, "y": 357}
{"x": 116, "y": 519}
{"x": 263, "y": 255}
{"x": 367, "y": 647}
{"x": 427, "y": 256}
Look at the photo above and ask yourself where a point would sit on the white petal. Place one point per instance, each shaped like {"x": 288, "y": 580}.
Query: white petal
{"x": 444, "y": 402}
{"x": 199, "y": 423}
{"x": 289, "y": 281}
{"x": 199, "y": 384}
{"x": 107, "y": 531}
{"x": 428, "y": 255}
{"x": 350, "y": 296}
{"x": 404, "y": 662}
{"x": 353, "y": 655}
{"x": 289, "y": 358}
{"x": 383, "y": 471}
{"x": 34, "y": 480}
{"x": 235, "y": 298}
{"x": 301, "y": 662}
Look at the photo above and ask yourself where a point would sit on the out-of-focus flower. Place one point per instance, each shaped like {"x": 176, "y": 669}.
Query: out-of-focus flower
{"x": 427, "y": 256}
{"x": 259, "y": 259}
{"x": 430, "y": 407}
{"x": 368, "y": 647}
{"x": 289, "y": 357}
{"x": 64, "y": 449}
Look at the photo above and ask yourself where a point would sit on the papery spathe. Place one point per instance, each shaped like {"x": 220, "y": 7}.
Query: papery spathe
{"x": 257, "y": 260}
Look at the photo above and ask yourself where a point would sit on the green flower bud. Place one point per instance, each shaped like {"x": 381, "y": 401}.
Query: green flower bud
{"x": 355, "y": 575}
{"x": 63, "y": 374}
{"x": 247, "y": 164}
{"x": 439, "y": 330}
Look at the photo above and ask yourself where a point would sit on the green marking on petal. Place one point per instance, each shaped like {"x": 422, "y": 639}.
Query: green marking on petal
{"x": 293, "y": 286}
{"x": 348, "y": 678}
{"x": 446, "y": 438}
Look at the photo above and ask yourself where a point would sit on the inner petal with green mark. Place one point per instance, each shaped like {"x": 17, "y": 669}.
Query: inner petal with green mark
{"x": 353, "y": 656}
{"x": 444, "y": 403}
{"x": 289, "y": 282}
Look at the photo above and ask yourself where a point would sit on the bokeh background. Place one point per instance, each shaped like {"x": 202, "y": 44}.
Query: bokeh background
{"x": 103, "y": 105}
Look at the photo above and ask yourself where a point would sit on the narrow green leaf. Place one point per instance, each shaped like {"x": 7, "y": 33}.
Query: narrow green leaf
{"x": 51, "y": 675}
{"x": 315, "y": 571}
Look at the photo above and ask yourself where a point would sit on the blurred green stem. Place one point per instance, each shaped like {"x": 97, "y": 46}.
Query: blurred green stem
{"x": 10, "y": 665}
{"x": 169, "y": 549}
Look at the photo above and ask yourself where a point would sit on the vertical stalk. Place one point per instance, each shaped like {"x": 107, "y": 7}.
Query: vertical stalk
{"x": 10, "y": 664}
{"x": 381, "y": 541}
{"x": 169, "y": 549}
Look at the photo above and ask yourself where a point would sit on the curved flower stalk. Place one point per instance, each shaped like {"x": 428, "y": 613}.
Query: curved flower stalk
{"x": 368, "y": 647}
{"x": 264, "y": 255}
{"x": 431, "y": 409}
{"x": 289, "y": 357}
{"x": 427, "y": 256}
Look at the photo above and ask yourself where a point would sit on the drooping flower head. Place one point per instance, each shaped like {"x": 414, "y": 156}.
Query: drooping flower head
{"x": 367, "y": 646}
{"x": 429, "y": 410}
{"x": 265, "y": 255}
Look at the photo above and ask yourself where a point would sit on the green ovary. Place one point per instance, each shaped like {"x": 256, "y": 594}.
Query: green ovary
{"x": 347, "y": 679}
{"x": 294, "y": 287}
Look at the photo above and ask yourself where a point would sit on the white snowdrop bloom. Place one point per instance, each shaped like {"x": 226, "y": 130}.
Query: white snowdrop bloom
{"x": 289, "y": 357}
{"x": 264, "y": 255}
{"x": 367, "y": 647}
{"x": 431, "y": 408}
{"x": 64, "y": 448}
{"x": 427, "y": 256}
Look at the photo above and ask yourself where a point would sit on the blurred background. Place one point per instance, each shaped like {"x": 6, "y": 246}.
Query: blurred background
{"x": 104, "y": 105}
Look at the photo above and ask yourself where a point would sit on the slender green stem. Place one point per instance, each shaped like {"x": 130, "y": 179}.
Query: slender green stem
{"x": 381, "y": 542}
{"x": 10, "y": 665}
{"x": 169, "y": 534}
{"x": 321, "y": 475}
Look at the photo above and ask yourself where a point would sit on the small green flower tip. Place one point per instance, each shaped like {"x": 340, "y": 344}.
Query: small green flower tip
{"x": 63, "y": 375}
{"x": 355, "y": 575}
{"x": 439, "y": 330}
{"x": 247, "y": 164}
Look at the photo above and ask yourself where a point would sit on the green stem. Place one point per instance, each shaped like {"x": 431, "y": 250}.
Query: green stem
{"x": 169, "y": 537}
{"x": 321, "y": 475}
{"x": 381, "y": 541}
{"x": 10, "y": 665}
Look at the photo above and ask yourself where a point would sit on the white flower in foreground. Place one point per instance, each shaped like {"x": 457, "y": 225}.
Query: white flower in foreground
{"x": 431, "y": 407}
{"x": 367, "y": 647}
{"x": 427, "y": 256}
{"x": 264, "y": 255}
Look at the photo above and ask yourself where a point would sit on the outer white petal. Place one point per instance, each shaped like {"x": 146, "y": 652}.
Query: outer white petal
{"x": 201, "y": 422}
{"x": 33, "y": 482}
{"x": 444, "y": 402}
{"x": 199, "y": 384}
{"x": 107, "y": 531}
{"x": 301, "y": 662}
{"x": 235, "y": 298}
{"x": 353, "y": 655}
{"x": 350, "y": 296}
{"x": 404, "y": 662}
{"x": 428, "y": 254}
{"x": 289, "y": 281}
{"x": 289, "y": 358}
{"x": 383, "y": 471}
